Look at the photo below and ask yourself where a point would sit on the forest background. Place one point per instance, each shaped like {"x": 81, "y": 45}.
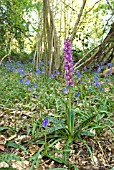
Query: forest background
{"x": 56, "y": 113}
{"x": 29, "y": 30}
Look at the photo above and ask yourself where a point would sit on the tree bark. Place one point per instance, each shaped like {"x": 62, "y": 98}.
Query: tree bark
{"x": 105, "y": 48}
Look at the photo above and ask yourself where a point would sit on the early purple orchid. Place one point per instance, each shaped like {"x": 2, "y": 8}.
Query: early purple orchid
{"x": 68, "y": 62}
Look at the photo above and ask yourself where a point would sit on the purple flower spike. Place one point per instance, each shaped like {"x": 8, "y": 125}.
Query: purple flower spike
{"x": 68, "y": 62}
{"x": 45, "y": 122}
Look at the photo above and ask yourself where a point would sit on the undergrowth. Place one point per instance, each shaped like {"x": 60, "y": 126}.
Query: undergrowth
{"x": 44, "y": 95}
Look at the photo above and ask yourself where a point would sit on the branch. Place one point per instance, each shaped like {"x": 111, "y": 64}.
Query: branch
{"x": 78, "y": 20}
{"x": 10, "y": 48}
{"x": 102, "y": 46}
{"x": 109, "y": 5}
{"x": 92, "y": 7}
{"x": 88, "y": 12}
{"x": 85, "y": 56}
{"x": 68, "y": 6}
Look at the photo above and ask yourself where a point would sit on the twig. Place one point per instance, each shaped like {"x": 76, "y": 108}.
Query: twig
{"x": 10, "y": 48}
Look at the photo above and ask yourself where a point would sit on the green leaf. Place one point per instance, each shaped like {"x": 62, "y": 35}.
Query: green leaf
{"x": 72, "y": 120}
{"x": 58, "y": 169}
{"x": 7, "y": 169}
{"x": 12, "y": 144}
{"x": 89, "y": 149}
{"x": 9, "y": 157}
{"x": 84, "y": 124}
{"x": 86, "y": 133}
{"x": 3, "y": 128}
{"x": 54, "y": 128}
{"x": 59, "y": 160}
{"x": 53, "y": 143}
{"x": 75, "y": 167}
{"x": 55, "y": 120}
{"x": 35, "y": 158}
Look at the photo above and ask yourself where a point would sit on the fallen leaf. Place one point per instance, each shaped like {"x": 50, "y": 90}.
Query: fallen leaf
{"x": 2, "y": 147}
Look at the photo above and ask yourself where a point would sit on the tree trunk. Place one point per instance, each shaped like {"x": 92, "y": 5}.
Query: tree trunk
{"x": 104, "y": 52}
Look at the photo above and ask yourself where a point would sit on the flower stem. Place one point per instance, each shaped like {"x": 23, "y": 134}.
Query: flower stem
{"x": 69, "y": 110}
{"x": 45, "y": 145}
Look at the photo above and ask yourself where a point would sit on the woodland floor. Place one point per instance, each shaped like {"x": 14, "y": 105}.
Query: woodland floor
{"x": 102, "y": 147}
{"x": 21, "y": 114}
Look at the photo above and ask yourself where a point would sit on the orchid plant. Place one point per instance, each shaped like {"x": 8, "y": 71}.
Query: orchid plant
{"x": 69, "y": 71}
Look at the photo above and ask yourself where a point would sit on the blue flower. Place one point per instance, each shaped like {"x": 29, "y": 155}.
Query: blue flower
{"x": 78, "y": 74}
{"x": 95, "y": 77}
{"x": 35, "y": 96}
{"x": 78, "y": 94}
{"x": 111, "y": 71}
{"x": 51, "y": 76}
{"x": 99, "y": 69}
{"x": 37, "y": 69}
{"x": 35, "y": 85}
{"x": 66, "y": 90}
{"x": 91, "y": 83}
{"x": 97, "y": 84}
{"x": 85, "y": 68}
{"x": 57, "y": 72}
{"x": 22, "y": 73}
{"x": 19, "y": 64}
{"x": 43, "y": 70}
{"x": 106, "y": 75}
{"x": 48, "y": 63}
{"x": 90, "y": 88}
{"x": 27, "y": 82}
{"x": 21, "y": 80}
{"x": 11, "y": 69}
{"x": 109, "y": 64}
{"x": 45, "y": 122}
{"x": 41, "y": 63}
{"x": 101, "y": 89}
{"x": 30, "y": 88}
{"x": 12, "y": 61}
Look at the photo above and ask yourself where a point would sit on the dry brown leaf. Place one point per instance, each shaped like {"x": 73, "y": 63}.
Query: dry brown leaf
{"x": 2, "y": 147}
{"x": 4, "y": 165}
{"x": 33, "y": 148}
{"x": 12, "y": 137}
{"x": 1, "y": 114}
{"x": 2, "y": 140}
{"x": 107, "y": 89}
{"x": 20, "y": 165}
